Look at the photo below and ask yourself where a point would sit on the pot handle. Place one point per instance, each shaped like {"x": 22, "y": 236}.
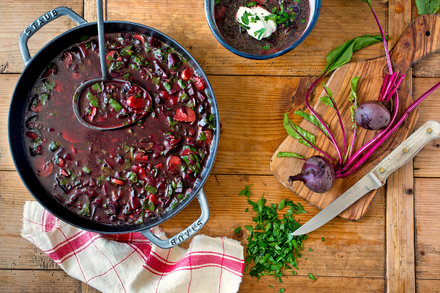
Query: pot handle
{"x": 39, "y": 23}
{"x": 188, "y": 232}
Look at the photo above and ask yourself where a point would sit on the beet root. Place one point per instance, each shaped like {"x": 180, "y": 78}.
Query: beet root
{"x": 317, "y": 174}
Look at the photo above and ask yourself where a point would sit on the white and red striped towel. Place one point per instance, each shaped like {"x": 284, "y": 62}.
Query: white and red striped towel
{"x": 131, "y": 263}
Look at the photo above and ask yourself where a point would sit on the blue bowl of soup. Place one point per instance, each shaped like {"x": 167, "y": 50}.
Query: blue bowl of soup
{"x": 243, "y": 26}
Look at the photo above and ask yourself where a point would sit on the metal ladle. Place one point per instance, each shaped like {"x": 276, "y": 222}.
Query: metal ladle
{"x": 106, "y": 79}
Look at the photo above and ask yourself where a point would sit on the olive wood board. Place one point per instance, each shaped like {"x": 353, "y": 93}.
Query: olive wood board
{"x": 420, "y": 39}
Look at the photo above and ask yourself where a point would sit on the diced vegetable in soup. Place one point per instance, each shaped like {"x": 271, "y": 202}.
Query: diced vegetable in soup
{"x": 132, "y": 174}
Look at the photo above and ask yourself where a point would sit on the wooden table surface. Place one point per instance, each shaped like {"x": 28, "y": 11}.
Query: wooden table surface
{"x": 395, "y": 247}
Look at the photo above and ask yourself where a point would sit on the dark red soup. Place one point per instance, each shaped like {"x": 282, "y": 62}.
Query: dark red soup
{"x": 290, "y": 17}
{"x": 132, "y": 174}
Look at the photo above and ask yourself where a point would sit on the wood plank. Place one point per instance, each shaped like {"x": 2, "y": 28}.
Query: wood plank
{"x": 28, "y": 11}
{"x": 427, "y": 228}
{"x": 400, "y": 264}
{"x": 351, "y": 249}
{"x": 428, "y": 286}
{"x": 7, "y": 84}
{"x": 90, "y": 10}
{"x": 307, "y": 59}
{"x": 427, "y": 162}
{"x": 249, "y": 135}
{"x": 322, "y": 284}
{"x": 37, "y": 281}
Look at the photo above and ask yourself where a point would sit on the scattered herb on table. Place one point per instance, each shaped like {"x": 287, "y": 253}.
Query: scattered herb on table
{"x": 323, "y": 240}
{"x": 312, "y": 277}
{"x": 271, "y": 248}
{"x": 245, "y": 191}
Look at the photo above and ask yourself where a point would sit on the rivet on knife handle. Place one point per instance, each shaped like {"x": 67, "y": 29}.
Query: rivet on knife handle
{"x": 407, "y": 149}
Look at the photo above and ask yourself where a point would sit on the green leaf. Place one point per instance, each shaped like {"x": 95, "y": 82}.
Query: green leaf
{"x": 54, "y": 145}
{"x": 281, "y": 204}
{"x": 92, "y": 99}
{"x": 326, "y": 100}
{"x": 115, "y": 105}
{"x": 427, "y": 6}
{"x": 290, "y": 155}
{"x": 259, "y": 33}
{"x": 342, "y": 54}
{"x": 266, "y": 47}
{"x": 300, "y": 209}
{"x": 245, "y": 191}
{"x": 96, "y": 87}
{"x": 237, "y": 230}
{"x": 353, "y": 98}
{"x": 312, "y": 277}
{"x": 43, "y": 98}
{"x": 295, "y": 131}
{"x": 86, "y": 170}
{"x": 150, "y": 189}
{"x": 312, "y": 119}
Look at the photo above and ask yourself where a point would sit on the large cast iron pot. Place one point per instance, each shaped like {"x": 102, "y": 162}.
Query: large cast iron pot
{"x": 35, "y": 66}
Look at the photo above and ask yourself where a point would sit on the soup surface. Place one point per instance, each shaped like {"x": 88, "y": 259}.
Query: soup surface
{"x": 291, "y": 17}
{"x": 135, "y": 173}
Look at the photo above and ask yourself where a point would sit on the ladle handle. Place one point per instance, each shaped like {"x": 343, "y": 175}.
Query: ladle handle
{"x": 41, "y": 21}
{"x": 101, "y": 40}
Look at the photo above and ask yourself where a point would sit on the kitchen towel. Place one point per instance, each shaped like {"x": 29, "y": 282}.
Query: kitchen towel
{"x": 130, "y": 262}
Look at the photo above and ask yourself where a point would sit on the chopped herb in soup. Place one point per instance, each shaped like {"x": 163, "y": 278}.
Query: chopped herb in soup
{"x": 132, "y": 174}
{"x": 261, "y": 27}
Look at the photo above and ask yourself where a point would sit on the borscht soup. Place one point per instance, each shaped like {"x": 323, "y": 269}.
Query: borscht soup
{"x": 261, "y": 27}
{"x": 132, "y": 174}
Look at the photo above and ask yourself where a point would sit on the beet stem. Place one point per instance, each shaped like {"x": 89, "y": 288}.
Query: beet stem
{"x": 385, "y": 45}
{"x": 352, "y": 159}
{"x": 394, "y": 90}
{"x": 388, "y": 134}
{"x": 340, "y": 121}
{"x": 332, "y": 138}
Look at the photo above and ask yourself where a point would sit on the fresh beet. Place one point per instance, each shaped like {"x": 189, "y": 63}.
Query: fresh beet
{"x": 372, "y": 115}
{"x": 317, "y": 174}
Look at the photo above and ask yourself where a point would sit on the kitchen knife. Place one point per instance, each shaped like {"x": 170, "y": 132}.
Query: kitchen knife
{"x": 376, "y": 177}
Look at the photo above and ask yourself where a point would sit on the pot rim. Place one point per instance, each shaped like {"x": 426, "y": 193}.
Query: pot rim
{"x": 18, "y": 151}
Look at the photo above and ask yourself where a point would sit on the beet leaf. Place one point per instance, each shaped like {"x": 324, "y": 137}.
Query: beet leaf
{"x": 312, "y": 119}
{"x": 290, "y": 155}
{"x": 342, "y": 54}
{"x": 427, "y": 6}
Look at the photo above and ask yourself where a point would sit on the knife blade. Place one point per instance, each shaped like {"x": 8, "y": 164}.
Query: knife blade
{"x": 376, "y": 177}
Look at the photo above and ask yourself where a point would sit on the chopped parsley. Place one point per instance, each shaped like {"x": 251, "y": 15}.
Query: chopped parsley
{"x": 272, "y": 249}
{"x": 245, "y": 191}
{"x": 259, "y": 33}
{"x": 266, "y": 47}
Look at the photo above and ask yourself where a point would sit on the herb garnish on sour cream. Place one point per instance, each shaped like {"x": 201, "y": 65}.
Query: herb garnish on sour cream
{"x": 256, "y": 21}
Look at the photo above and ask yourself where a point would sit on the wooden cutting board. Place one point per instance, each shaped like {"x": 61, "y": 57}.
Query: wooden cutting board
{"x": 421, "y": 38}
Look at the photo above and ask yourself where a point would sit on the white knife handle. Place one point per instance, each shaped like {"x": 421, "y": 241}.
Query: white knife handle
{"x": 407, "y": 150}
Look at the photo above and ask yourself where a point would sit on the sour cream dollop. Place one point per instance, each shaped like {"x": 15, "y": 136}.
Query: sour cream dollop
{"x": 255, "y": 21}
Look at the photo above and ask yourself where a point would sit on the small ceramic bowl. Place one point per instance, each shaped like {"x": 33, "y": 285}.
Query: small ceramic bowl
{"x": 314, "y": 5}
